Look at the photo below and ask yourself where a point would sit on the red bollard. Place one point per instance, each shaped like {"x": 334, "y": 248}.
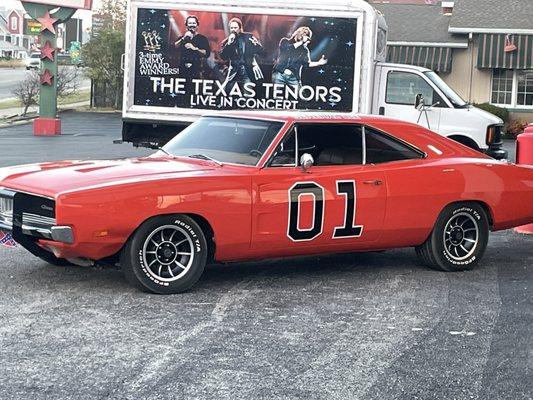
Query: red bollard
{"x": 524, "y": 155}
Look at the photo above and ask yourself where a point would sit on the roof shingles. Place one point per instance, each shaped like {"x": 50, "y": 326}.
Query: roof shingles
{"x": 487, "y": 15}
{"x": 418, "y": 23}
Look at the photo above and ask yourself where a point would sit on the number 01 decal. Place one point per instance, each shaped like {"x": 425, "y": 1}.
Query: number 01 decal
{"x": 347, "y": 230}
{"x": 347, "y": 188}
{"x": 295, "y": 192}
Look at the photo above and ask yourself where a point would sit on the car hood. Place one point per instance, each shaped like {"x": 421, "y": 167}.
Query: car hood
{"x": 53, "y": 178}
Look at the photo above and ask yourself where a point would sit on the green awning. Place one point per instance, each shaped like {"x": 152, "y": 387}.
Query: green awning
{"x": 492, "y": 54}
{"x": 438, "y": 59}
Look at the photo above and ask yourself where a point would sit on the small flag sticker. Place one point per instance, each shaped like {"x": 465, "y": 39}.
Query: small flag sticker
{"x": 7, "y": 240}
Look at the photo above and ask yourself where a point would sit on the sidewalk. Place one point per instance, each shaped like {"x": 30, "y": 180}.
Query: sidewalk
{"x": 8, "y": 112}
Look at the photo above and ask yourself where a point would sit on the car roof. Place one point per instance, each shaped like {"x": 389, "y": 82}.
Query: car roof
{"x": 411, "y": 133}
{"x": 306, "y": 116}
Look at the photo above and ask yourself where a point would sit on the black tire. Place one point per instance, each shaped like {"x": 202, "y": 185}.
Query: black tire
{"x": 458, "y": 240}
{"x": 166, "y": 255}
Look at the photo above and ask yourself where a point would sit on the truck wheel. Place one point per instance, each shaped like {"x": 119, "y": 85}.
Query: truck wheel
{"x": 458, "y": 240}
{"x": 166, "y": 255}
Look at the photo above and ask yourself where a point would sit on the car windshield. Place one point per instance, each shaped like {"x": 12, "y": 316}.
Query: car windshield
{"x": 225, "y": 140}
{"x": 36, "y": 55}
{"x": 454, "y": 98}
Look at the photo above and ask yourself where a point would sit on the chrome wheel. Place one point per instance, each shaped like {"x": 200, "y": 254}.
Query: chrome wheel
{"x": 168, "y": 253}
{"x": 461, "y": 236}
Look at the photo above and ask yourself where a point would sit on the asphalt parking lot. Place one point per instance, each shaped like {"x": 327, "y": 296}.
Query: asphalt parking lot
{"x": 352, "y": 326}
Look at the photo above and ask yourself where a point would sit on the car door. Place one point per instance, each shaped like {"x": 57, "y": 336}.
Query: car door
{"x": 397, "y": 98}
{"x": 333, "y": 207}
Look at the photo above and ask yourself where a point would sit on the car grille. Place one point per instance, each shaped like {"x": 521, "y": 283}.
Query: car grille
{"x": 37, "y": 220}
{"x": 35, "y": 215}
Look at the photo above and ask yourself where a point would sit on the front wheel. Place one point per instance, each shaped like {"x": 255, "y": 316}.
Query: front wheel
{"x": 166, "y": 255}
{"x": 458, "y": 240}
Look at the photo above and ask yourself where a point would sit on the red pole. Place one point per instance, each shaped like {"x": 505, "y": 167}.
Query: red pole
{"x": 524, "y": 155}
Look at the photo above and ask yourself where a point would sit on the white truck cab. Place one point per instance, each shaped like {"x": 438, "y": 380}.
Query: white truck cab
{"x": 419, "y": 95}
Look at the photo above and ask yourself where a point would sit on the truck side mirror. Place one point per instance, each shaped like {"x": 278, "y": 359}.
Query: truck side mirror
{"x": 419, "y": 100}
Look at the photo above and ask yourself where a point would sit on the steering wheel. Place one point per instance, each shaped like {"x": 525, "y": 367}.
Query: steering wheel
{"x": 256, "y": 153}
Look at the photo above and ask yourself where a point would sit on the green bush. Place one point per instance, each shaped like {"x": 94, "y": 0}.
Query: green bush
{"x": 503, "y": 113}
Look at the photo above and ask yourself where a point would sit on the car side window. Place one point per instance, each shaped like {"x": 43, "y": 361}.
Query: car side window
{"x": 402, "y": 88}
{"x": 329, "y": 144}
{"x": 381, "y": 148}
{"x": 285, "y": 154}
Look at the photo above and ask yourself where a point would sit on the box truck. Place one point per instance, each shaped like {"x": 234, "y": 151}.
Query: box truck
{"x": 186, "y": 58}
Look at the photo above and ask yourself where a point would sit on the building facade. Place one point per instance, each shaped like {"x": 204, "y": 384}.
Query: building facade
{"x": 19, "y": 34}
{"x": 482, "y": 48}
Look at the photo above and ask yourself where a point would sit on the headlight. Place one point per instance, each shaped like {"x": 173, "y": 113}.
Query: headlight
{"x": 6, "y": 210}
{"x": 493, "y": 134}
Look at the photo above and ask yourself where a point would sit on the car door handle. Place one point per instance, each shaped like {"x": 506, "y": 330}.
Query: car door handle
{"x": 375, "y": 182}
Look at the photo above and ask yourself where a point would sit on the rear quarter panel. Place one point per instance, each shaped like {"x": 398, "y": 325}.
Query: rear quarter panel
{"x": 419, "y": 191}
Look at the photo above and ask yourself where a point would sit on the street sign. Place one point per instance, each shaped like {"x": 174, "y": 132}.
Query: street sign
{"x": 32, "y": 27}
{"x": 81, "y": 4}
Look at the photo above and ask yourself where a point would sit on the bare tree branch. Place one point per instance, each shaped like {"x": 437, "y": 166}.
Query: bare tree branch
{"x": 27, "y": 91}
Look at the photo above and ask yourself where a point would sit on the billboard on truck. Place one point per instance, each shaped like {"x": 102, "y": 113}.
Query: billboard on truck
{"x": 198, "y": 59}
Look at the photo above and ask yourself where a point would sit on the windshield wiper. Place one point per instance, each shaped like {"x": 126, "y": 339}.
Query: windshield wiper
{"x": 154, "y": 146}
{"x": 204, "y": 157}
{"x": 164, "y": 151}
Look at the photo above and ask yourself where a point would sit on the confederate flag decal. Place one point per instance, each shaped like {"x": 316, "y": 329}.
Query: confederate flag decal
{"x": 7, "y": 240}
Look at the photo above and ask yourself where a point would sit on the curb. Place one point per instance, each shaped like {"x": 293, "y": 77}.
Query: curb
{"x": 68, "y": 108}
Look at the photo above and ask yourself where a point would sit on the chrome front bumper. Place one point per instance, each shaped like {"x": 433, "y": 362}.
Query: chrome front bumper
{"x": 16, "y": 219}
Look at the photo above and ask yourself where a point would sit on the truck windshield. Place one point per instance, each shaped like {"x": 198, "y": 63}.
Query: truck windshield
{"x": 454, "y": 98}
{"x": 225, "y": 140}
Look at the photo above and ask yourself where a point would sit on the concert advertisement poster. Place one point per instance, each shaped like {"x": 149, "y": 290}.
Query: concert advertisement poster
{"x": 231, "y": 61}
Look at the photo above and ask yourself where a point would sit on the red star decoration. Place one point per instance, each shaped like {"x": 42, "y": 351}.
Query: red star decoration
{"x": 46, "y": 77}
{"x": 47, "y": 22}
{"x": 47, "y": 51}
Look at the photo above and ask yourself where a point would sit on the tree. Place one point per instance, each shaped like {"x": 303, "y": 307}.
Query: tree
{"x": 112, "y": 14}
{"x": 102, "y": 56}
{"x": 67, "y": 81}
{"x": 27, "y": 91}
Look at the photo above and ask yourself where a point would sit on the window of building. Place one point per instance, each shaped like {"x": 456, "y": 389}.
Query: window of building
{"x": 14, "y": 24}
{"x": 512, "y": 88}
{"x": 502, "y": 86}
{"x": 525, "y": 88}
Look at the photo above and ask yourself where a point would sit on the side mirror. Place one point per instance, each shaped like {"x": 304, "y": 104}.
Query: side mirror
{"x": 306, "y": 162}
{"x": 419, "y": 101}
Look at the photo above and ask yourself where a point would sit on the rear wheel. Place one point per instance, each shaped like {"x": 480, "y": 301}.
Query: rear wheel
{"x": 166, "y": 255}
{"x": 458, "y": 240}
